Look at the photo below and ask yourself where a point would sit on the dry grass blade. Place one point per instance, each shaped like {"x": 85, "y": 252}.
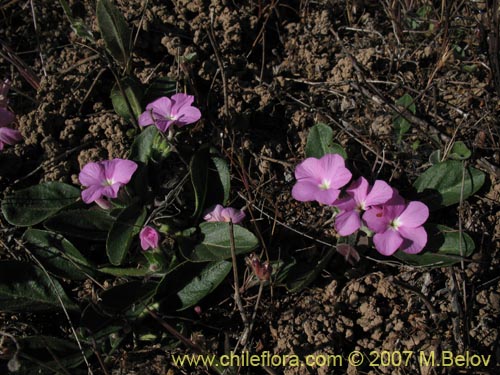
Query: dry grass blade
{"x": 8, "y": 54}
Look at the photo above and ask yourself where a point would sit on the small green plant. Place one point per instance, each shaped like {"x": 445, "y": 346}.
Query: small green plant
{"x": 400, "y": 122}
{"x": 121, "y": 224}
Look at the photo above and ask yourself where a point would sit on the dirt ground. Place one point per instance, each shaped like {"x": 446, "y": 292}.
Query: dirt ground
{"x": 263, "y": 74}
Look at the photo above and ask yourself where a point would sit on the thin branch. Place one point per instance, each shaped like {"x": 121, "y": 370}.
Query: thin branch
{"x": 237, "y": 297}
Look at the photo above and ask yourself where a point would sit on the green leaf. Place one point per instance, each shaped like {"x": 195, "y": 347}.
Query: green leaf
{"x": 77, "y": 24}
{"x": 114, "y": 31}
{"x": 160, "y": 86}
{"x": 302, "y": 274}
{"x": 224, "y": 175}
{"x": 459, "y": 151}
{"x": 200, "y": 286}
{"x": 445, "y": 247}
{"x": 441, "y": 184}
{"x": 210, "y": 177}
{"x": 49, "y": 355}
{"x": 143, "y": 144}
{"x": 87, "y": 224}
{"x": 400, "y": 123}
{"x": 58, "y": 255}
{"x": 124, "y": 272}
{"x": 161, "y": 149}
{"x": 133, "y": 92}
{"x": 435, "y": 157}
{"x": 35, "y": 204}
{"x": 198, "y": 169}
{"x": 125, "y": 228}
{"x": 424, "y": 11}
{"x": 24, "y": 287}
{"x": 320, "y": 142}
{"x": 214, "y": 244}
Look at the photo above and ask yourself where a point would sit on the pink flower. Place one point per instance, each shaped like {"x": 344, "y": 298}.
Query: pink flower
{"x": 104, "y": 179}
{"x": 398, "y": 225}
{"x": 149, "y": 238}
{"x": 8, "y": 136}
{"x": 320, "y": 179}
{"x": 165, "y": 112}
{"x": 361, "y": 197}
{"x": 219, "y": 213}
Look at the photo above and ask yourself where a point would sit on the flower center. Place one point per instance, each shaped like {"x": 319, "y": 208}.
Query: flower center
{"x": 361, "y": 207}
{"x": 395, "y": 224}
{"x": 172, "y": 117}
{"x": 325, "y": 184}
{"x": 108, "y": 182}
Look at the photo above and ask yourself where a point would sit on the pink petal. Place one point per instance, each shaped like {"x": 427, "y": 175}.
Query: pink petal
{"x": 334, "y": 170}
{"x": 327, "y": 196}
{"x": 119, "y": 170}
{"x": 103, "y": 203}
{"x": 236, "y": 216}
{"x": 149, "y": 238}
{"x": 375, "y": 219}
{"x": 146, "y": 119}
{"x": 310, "y": 168}
{"x": 415, "y": 239}
{"x": 394, "y": 206}
{"x": 347, "y": 223}
{"x": 380, "y": 193}
{"x": 164, "y": 125}
{"x": 214, "y": 214}
{"x": 415, "y": 214}
{"x": 305, "y": 191}
{"x": 111, "y": 191}
{"x": 10, "y": 136}
{"x": 161, "y": 108}
{"x": 188, "y": 115}
{"x": 6, "y": 117}
{"x": 179, "y": 101}
{"x": 345, "y": 204}
{"x": 92, "y": 193}
{"x": 358, "y": 189}
{"x": 387, "y": 242}
{"x": 92, "y": 174}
